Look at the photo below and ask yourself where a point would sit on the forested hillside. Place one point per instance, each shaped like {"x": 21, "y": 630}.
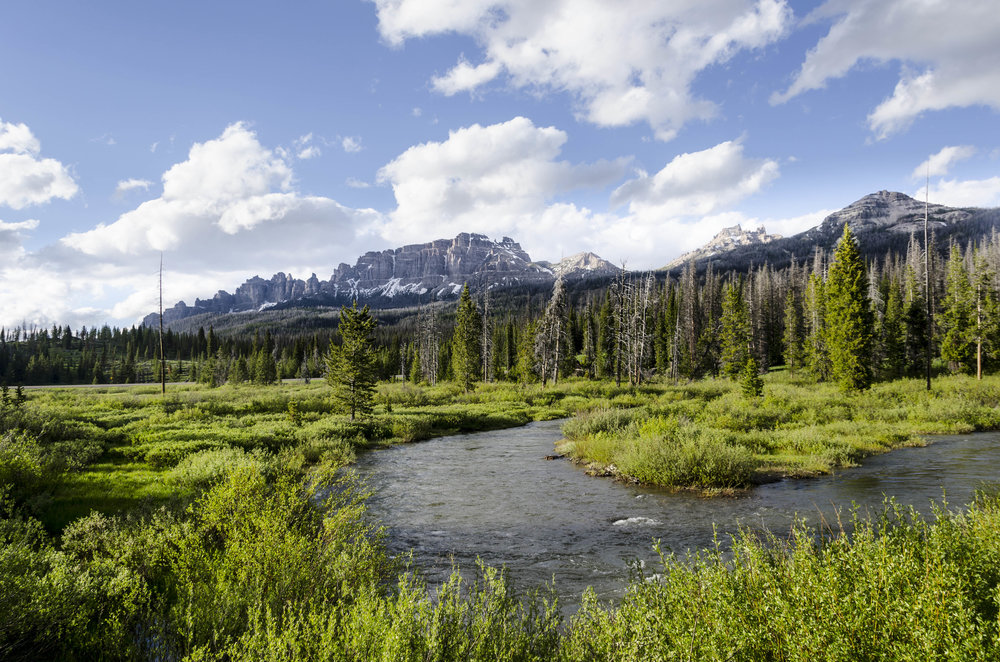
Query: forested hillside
{"x": 629, "y": 328}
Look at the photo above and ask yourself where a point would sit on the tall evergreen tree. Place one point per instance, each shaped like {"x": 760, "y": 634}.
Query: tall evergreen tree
{"x": 849, "y": 316}
{"x": 350, "y": 367}
{"x": 465, "y": 345}
{"x": 735, "y": 333}
{"x": 792, "y": 336}
{"x": 957, "y": 316}
{"x": 816, "y": 355}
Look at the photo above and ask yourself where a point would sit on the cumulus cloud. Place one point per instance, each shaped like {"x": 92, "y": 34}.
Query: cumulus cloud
{"x": 18, "y": 138}
{"x": 697, "y": 183}
{"x": 26, "y": 179}
{"x": 968, "y": 193}
{"x": 658, "y": 49}
{"x": 493, "y": 179}
{"x": 226, "y": 212}
{"x": 948, "y": 51}
{"x": 938, "y": 164}
{"x": 230, "y": 192}
{"x": 508, "y": 179}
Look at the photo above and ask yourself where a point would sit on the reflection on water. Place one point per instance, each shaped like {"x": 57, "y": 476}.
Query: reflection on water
{"x": 492, "y": 496}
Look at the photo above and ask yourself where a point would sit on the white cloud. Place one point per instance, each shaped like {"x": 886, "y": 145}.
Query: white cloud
{"x": 304, "y": 149}
{"x": 417, "y": 112}
{"x": 968, "y": 193}
{"x": 126, "y": 185}
{"x": 227, "y": 212}
{"x": 310, "y": 152}
{"x": 495, "y": 179}
{"x": 624, "y": 62}
{"x": 351, "y": 144}
{"x": 11, "y": 238}
{"x": 18, "y": 138}
{"x": 507, "y": 179}
{"x": 26, "y": 179}
{"x": 354, "y": 182}
{"x": 466, "y": 77}
{"x": 697, "y": 183}
{"x": 938, "y": 164}
{"x": 948, "y": 49}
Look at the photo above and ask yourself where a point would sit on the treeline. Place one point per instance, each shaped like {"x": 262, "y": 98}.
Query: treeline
{"x": 634, "y": 328}
{"x": 885, "y": 313}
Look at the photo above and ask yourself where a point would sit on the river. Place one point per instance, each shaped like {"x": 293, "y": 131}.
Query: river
{"x": 493, "y": 496}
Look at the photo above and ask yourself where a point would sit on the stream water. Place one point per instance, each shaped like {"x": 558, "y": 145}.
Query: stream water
{"x": 493, "y": 496}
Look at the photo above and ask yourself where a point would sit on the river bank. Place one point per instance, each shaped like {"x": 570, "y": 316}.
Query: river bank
{"x": 707, "y": 436}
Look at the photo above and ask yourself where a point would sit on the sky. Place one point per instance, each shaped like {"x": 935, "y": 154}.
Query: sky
{"x": 246, "y": 138}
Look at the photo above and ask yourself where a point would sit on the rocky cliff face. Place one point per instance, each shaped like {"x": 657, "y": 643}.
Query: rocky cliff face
{"x": 401, "y": 276}
{"x": 882, "y": 223}
{"x": 726, "y": 240}
{"x": 889, "y": 211}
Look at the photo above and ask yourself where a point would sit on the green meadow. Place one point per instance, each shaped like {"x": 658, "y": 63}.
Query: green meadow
{"x": 220, "y": 524}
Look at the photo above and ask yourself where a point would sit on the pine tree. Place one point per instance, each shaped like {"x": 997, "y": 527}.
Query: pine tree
{"x": 849, "y": 317}
{"x": 792, "y": 336}
{"x": 465, "y": 345}
{"x": 957, "y": 317}
{"x": 816, "y": 355}
{"x": 525, "y": 367}
{"x": 986, "y": 318}
{"x": 350, "y": 367}
{"x": 893, "y": 334}
{"x": 735, "y": 333}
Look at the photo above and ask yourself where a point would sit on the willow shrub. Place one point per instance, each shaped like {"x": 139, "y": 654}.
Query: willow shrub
{"x": 894, "y": 588}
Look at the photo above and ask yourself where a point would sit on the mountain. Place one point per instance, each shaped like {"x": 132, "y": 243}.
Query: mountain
{"x": 399, "y": 277}
{"x": 727, "y": 240}
{"x": 882, "y": 222}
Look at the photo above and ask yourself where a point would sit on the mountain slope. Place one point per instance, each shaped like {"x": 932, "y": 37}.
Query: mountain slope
{"x": 399, "y": 277}
{"x": 881, "y": 221}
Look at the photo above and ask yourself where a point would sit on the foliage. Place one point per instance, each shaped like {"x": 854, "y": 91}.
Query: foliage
{"x": 751, "y": 382}
{"x": 465, "y": 347}
{"x": 894, "y": 587}
{"x": 797, "y": 429}
{"x": 350, "y": 367}
{"x": 849, "y": 317}
{"x": 735, "y": 334}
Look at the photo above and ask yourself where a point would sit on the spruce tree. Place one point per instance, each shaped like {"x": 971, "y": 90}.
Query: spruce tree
{"x": 957, "y": 319}
{"x": 792, "y": 336}
{"x": 735, "y": 334}
{"x": 849, "y": 317}
{"x": 816, "y": 354}
{"x": 893, "y": 334}
{"x": 350, "y": 367}
{"x": 465, "y": 345}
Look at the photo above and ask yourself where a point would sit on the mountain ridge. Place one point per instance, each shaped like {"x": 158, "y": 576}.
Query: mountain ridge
{"x": 402, "y": 276}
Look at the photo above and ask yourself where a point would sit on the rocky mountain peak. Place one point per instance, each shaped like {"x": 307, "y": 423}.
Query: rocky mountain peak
{"x": 889, "y": 210}
{"x": 399, "y": 276}
{"x": 583, "y": 265}
{"x": 725, "y": 240}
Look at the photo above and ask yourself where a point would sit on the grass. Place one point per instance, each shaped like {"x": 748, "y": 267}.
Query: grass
{"x": 190, "y": 527}
{"x": 707, "y": 435}
{"x": 116, "y": 449}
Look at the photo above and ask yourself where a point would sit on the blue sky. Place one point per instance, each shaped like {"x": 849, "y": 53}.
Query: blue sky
{"x": 254, "y": 137}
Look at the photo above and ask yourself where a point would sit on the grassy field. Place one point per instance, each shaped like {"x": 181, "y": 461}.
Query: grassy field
{"x": 115, "y": 449}
{"x": 708, "y": 435}
{"x": 213, "y": 524}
